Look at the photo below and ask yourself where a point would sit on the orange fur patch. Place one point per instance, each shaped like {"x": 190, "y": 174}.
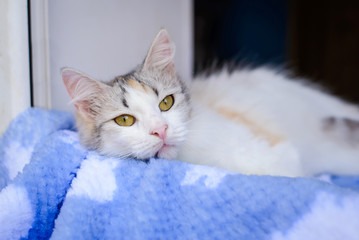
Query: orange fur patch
{"x": 271, "y": 138}
{"x": 137, "y": 85}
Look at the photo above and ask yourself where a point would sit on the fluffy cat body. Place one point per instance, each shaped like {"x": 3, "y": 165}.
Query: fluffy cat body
{"x": 253, "y": 121}
{"x": 262, "y": 122}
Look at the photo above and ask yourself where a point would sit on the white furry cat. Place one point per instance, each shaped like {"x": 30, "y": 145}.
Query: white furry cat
{"x": 254, "y": 121}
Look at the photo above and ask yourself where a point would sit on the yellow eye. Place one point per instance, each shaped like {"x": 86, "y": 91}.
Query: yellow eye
{"x": 167, "y": 103}
{"x": 125, "y": 120}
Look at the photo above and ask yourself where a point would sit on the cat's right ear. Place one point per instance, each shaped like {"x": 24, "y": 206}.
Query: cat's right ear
{"x": 161, "y": 53}
{"x": 82, "y": 90}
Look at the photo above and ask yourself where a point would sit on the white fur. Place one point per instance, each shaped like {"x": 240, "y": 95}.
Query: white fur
{"x": 327, "y": 213}
{"x": 214, "y": 140}
{"x": 16, "y": 214}
{"x": 95, "y": 180}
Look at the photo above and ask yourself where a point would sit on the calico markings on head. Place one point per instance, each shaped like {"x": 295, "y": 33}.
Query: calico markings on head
{"x": 142, "y": 114}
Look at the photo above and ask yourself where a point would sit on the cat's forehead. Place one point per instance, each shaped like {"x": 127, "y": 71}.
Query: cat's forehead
{"x": 157, "y": 84}
{"x": 131, "y": 84}
{"x": 134, "y": 93}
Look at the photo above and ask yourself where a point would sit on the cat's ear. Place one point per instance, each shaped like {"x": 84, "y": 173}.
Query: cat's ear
{"x": 83, "y": 90}
{"x": 161, "y": 53}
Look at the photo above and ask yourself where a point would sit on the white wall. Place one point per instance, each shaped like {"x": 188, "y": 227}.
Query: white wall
{"x": 14, "y": 60}
{"x": 108, "y": 38}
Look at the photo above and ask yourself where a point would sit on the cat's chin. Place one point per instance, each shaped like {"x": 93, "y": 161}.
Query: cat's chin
{"x": 167, "y": 152}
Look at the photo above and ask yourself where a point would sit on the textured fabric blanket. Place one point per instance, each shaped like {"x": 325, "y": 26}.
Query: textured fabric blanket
{"x": 51, "y": 187}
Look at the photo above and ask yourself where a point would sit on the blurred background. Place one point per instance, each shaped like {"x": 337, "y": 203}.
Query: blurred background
{"x": 314, "y": 39}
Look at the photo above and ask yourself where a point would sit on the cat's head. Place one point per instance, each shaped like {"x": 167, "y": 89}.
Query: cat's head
{"x": 141, "y": 114}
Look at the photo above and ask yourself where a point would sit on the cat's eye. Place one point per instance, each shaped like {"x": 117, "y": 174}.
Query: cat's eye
{"x": 125, "y": 120}
{"x": 167, "y": 103}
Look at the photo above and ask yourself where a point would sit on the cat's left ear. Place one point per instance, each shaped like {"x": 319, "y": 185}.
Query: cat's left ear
{"x": 161, "y": 53}
{"x": 83, "y": 90}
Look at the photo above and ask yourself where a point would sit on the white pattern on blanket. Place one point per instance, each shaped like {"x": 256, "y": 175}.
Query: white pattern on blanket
{"x": 95, "y": 180}
{"x": 344, "y": 220}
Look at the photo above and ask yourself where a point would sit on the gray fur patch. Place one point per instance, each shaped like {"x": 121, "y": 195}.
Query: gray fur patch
{"x": 353, "y": 125}
{"x": 344, "y": 130}
{"x": 155, "y": 91}
{"x": 124, "y": 102}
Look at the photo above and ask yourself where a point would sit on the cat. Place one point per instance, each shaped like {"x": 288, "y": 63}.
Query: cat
{"x": 252, "y": 121}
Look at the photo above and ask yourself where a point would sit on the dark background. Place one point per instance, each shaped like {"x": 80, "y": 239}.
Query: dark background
{"x": 316, "y": 39}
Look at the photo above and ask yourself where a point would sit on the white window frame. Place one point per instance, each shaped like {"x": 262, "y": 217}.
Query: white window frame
{"x": 15, "y": 94}
{"x": 41, "y": 84}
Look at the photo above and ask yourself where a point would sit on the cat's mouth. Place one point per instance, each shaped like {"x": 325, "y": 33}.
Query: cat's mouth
{"x": 165, "y": 151}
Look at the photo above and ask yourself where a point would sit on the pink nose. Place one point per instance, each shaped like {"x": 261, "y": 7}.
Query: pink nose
{"x": 160, "y": 132}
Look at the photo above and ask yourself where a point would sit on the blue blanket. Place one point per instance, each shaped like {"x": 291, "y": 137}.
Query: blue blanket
{"x": 52, "y": 187}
